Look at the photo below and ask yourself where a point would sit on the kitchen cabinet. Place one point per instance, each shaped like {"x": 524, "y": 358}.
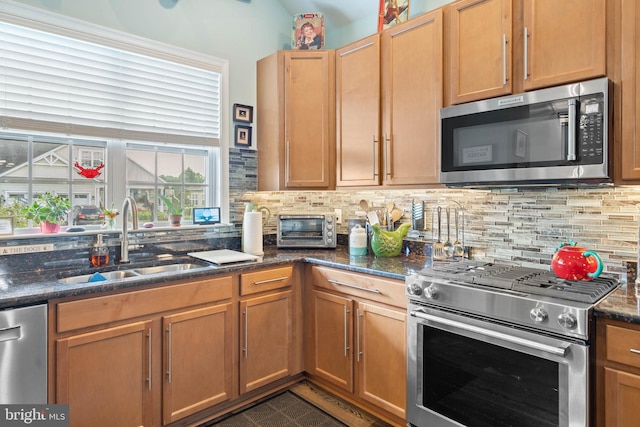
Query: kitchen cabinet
{"x": 268, "y": 351}
{"x": 620, "y": 372}
{"x": 627, "y": 148}
{"x": 356, "y": 339}
{"x": 499, "y": 47}
{"x": 295, "y": 116}
{"x": 120, "y": 358}
{"x": 388, "y": 93}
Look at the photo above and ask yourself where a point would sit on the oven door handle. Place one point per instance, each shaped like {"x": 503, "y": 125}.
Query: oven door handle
{"x": 558, "y": 351}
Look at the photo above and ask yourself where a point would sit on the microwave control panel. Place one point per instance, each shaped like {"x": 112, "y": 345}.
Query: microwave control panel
{"x": 591, "y": 132}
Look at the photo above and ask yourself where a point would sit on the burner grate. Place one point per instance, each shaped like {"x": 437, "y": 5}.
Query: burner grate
{"x": 524, "y": 279}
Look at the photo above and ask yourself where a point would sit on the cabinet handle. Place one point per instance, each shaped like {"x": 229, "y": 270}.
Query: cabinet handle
{"x": 149, "y": 358}
{"x": 336, "y": 282}
{"x": 278, "y": 279}
{"x": 346, "y": 347}
{"x": 11, "y": 333}
{"x": 359, "y": 315}
{"x": 375, "y": 162}
{"x": 387, "y": 156}
{"x": 246, "y": 332}
{"x": 633, "y": 350}
{"x": 169, "y": 351}
{"x": 504, "y": 59}
{"x": 526, "y": 53}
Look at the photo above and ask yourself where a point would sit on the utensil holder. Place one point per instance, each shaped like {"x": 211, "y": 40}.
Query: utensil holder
{"x": 457, "y": 210}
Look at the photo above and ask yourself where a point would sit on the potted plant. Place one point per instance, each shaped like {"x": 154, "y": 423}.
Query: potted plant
{"x": 110, "y": 217}
{"x": 175, "y": 213}
{"x": 49, "y": 211}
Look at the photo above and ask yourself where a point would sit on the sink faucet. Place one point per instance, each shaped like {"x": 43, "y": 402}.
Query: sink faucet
{"x": 129, "y": 203}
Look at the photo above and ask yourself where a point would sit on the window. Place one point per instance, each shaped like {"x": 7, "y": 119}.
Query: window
{"x": 97, "y": 122}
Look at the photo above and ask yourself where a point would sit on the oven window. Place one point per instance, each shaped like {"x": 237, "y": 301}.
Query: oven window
{"x": 484, "y": 385}
{"x": 301, "y": 228}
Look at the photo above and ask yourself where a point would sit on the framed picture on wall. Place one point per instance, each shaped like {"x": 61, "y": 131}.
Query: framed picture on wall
{"x": 392, "y": 12}
{"x": 242, "y": 113}
{"x": 243, "y": 136}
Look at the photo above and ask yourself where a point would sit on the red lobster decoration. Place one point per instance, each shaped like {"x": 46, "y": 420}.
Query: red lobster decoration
{"x": 88, "y": 172}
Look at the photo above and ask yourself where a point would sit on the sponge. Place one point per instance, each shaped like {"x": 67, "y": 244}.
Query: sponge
{"x": 97, "y": 277}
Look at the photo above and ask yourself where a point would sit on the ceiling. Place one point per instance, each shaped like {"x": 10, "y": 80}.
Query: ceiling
{"x": 337, "y": 13}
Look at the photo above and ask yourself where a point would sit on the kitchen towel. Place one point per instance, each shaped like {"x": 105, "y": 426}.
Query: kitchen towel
{"x": 252, "y": 233}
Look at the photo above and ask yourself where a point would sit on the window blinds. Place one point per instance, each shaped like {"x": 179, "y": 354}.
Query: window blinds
{"x": 59, "y": 84}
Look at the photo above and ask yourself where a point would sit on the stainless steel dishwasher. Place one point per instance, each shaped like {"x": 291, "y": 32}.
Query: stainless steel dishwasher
{"x": 23, "y": 355}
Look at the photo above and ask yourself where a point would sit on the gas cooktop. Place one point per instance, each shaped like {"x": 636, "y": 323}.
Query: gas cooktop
{"x": 532, "y": 281}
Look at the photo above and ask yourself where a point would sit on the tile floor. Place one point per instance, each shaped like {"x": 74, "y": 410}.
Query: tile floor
{"x": 283, "y": 410}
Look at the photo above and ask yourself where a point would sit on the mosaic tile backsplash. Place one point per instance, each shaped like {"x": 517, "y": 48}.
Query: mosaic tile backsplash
{"x": 522, "y": 225}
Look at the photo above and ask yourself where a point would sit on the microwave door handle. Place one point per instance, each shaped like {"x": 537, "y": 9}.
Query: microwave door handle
{"x": 571, "y": 131}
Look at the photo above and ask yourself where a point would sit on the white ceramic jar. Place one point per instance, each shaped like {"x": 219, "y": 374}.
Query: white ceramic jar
{"x": 358, "y": 241}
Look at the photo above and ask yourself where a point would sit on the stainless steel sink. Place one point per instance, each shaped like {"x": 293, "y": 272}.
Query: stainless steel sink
{"x": 132, "y": 272}
{"x": 171, "y": 268}
{"x": 108, "y": 275}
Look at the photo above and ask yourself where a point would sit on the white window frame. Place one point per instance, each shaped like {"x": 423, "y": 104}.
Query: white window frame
{"x": 43, "y": 20}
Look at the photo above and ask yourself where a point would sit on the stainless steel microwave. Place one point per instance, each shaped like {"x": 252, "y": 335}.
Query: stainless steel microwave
{"x": 306, "y": 230}
{"x": 557, "y": 136}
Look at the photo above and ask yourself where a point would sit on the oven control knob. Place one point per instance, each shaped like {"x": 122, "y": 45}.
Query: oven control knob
{"x": 567, "y": 320}
{"x": 538, "y": 314}
{"x": 431, "y": 292}
{"x": 414, "y": 289}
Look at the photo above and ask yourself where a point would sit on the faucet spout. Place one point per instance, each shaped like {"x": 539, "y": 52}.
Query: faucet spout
{"x": 128, "y": 204}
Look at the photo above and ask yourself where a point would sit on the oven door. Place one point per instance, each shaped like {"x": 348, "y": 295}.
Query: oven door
{"x": 464, "y": 371}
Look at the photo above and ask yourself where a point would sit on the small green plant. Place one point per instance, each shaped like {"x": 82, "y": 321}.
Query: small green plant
{"x": 173, "y": 210}
{"x": 49, "y": 208}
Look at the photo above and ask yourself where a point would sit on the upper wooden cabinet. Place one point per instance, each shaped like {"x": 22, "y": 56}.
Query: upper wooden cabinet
{"x": 500, "y": 47}
{"x": 627, "y": 148}
{"x": 296, "y": 120}
{"x": 480, "y": 54}
{"x": 388, "y": 93}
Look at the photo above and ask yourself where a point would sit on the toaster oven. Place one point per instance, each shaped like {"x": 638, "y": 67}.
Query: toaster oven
{"x": 306, "y": 230}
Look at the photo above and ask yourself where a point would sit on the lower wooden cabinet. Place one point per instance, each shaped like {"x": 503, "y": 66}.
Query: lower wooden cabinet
{"x": 356, "y": 338}
{"x": 267, "y": 347}
{"x": 119, "y": 358}
{"x": 618, "y": 375}
{"x": 198, "y": 363}
{"x": 105, "y": 376}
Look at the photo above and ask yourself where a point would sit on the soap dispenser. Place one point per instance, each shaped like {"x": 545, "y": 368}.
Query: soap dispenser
{"x": 99, "y": 253}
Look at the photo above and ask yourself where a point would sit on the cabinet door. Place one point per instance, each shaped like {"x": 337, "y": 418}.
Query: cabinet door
{"x": 412, "y": 97}
{"x": 381, "y": 356}
{"x": 332, "y": 326}
{"x": 622, "y": 394}
{"x": 481, "y": 49}
{"x": 358, "y": 112}
{"x": 627, "y": 157}
{"x": 267, "y": 333}
{"x": 565, "y": 41}
{"x": 309, "y": 120}
{"x": 198, "y": 361}
{"x": 105, "y": 376}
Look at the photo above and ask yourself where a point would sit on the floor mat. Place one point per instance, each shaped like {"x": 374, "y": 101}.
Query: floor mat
{"x": 283, "y": 410}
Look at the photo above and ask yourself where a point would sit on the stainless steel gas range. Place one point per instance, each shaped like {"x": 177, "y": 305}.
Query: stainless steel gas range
{"x": 499, "y": 345}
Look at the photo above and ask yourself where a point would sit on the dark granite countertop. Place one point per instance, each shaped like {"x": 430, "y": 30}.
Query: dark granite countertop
{"x": 623, "y": 304}
{"x": 41, "y": 284}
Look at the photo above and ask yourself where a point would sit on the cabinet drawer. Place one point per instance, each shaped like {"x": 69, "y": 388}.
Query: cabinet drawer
{"x": 387, "y": 291}
{"x": 265, "y": 280}
{"x": 100, "y": 310}
{"x": 623, "y": 345}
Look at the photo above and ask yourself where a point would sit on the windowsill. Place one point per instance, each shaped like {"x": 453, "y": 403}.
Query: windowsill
{"x": 34, "y": 233}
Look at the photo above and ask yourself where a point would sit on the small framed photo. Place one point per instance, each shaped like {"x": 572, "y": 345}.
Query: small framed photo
{"x": 392, "y": 12}
{"x": 243, "y": 136}
{"x": 6, "y": 225}
{"x": 242, "y": 113}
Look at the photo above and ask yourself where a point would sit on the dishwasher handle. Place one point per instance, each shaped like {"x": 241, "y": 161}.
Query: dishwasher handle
{"x": 10, "y": 334}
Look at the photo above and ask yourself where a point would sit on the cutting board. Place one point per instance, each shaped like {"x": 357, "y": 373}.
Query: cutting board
{"x": 224, "y": 256}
